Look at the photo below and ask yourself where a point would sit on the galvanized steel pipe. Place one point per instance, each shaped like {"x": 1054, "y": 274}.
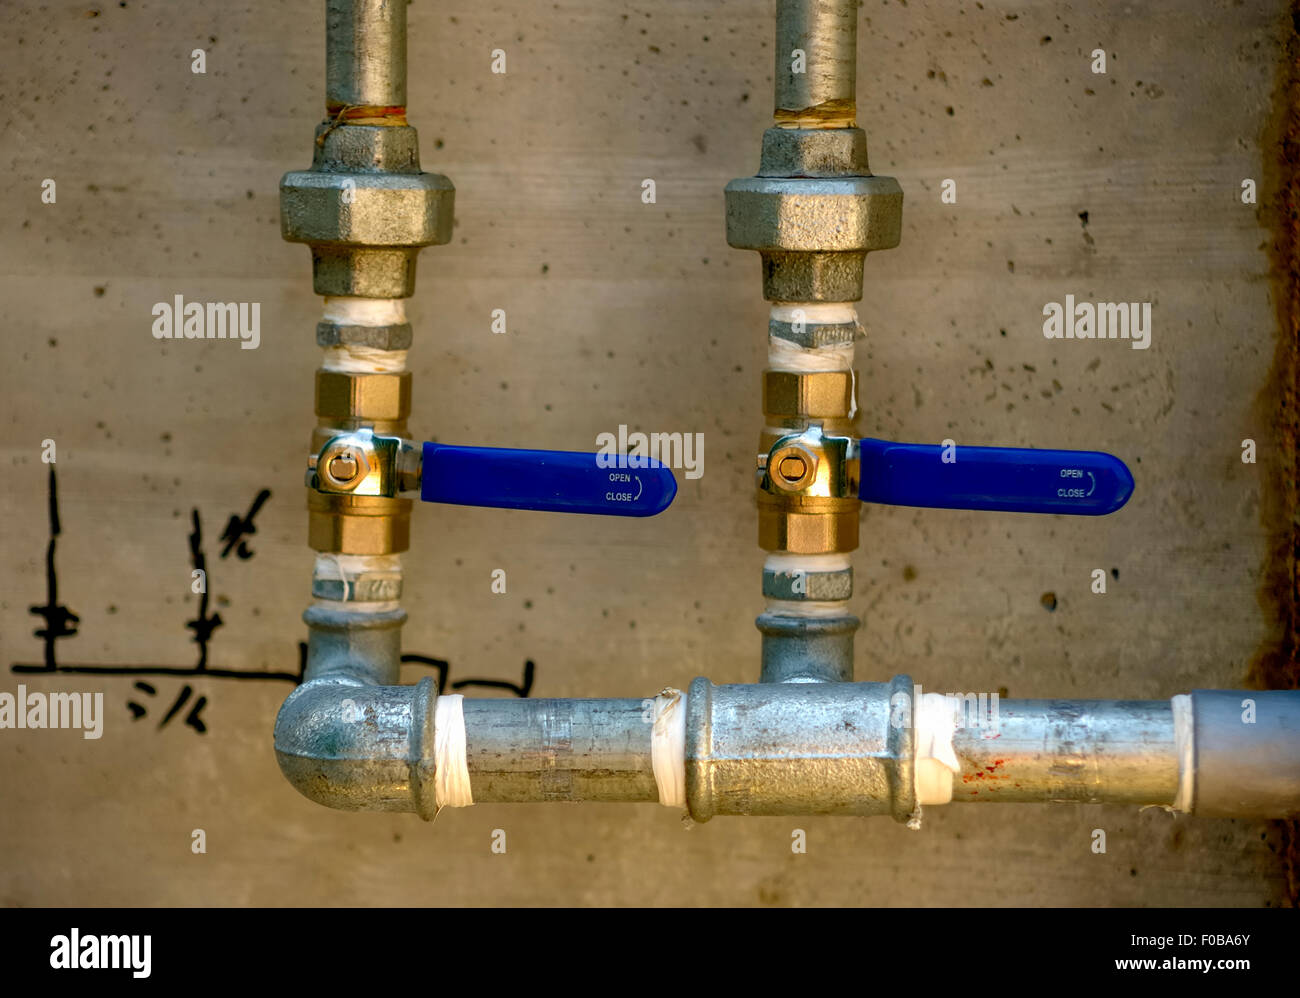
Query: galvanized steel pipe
{"x": 794, "y": 749}
{"x": 1244, "y": 753}
{"x": 816, "y": 89}
{"x": 365, "y": 53}
{"x": 559, "y": 750}
{"x": 1077, "y": 751}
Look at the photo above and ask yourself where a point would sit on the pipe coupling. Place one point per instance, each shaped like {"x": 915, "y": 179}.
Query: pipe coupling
{"x": 800, "y": 748}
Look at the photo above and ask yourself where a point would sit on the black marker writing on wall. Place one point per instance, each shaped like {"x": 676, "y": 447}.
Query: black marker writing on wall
{"x": 192, "y": 718}
{"x": 60, "y": 622}
{"x": 57, "y": 617}
{"x": 237, "y": 527}
{"x": 202, "y": 625}
{"x": 443, "y": 668}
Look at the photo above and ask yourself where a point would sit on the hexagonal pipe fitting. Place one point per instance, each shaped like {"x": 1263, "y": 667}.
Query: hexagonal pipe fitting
{"x": 813, "y": 234}
{"x": 364, "y": 229}
{"x": 814, "y": 152}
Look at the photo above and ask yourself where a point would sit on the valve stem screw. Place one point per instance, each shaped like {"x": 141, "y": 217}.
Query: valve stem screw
{"x": 792, "y": 469}
{"x": 343, "y": 468}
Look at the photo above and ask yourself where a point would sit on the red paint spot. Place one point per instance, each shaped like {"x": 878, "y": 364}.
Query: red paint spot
{"x": 987, "y": 773}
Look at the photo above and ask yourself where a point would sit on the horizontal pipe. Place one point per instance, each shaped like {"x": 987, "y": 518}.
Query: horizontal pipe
{"x": 559, "y": 750}
{"x": 1077, "y": 751}
{"x": 793, "y": 749}
{"x": 1244, "y": 753}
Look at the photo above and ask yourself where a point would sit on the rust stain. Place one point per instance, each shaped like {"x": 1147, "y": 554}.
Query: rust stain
{"x": 1274, "y": 665}
{"x": 361, "y": 114}
{"x": 392, "y": 114}
{"x": 838, "y": 113}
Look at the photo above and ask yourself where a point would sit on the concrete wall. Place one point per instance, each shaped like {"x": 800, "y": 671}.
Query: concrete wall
{"x": 622, "y": 312}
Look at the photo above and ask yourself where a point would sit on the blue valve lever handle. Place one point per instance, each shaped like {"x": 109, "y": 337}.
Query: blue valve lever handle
{"x": 1082, "y": 483}
{"x": 554, "y": 481}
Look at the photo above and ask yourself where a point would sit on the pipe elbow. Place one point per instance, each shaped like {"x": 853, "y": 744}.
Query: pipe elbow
{"x": 354, "y": 746}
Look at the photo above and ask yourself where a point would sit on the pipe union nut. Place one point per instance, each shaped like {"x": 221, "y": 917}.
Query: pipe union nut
{"x": 365, "y": 229}
{"x": 845, "y": 215}
{"x": 366, "y": 209}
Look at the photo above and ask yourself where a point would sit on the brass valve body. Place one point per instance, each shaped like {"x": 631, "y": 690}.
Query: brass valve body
{"x": 359, "y": 524}
{"x": 792, "y": 515}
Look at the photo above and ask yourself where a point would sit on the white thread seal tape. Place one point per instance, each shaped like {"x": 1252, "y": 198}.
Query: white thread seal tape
{"x": 668, "y": 747}
{"x": 936, "y": 721}
{"x": 784, "y": 355}
{"x": 353, "y": 358}
{"x": 785, "y": 562}
{"x": 329, "y": 565}
{"x": 365, "y": 311}
{"x": 818, "y": 313}
{"x": 451, "y": 771}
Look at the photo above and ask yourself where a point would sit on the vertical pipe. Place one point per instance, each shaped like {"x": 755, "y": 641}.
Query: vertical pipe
{"x": 365, "y": 54}
{"x": 816, "y": 63}
{"x": 355, "y": 624}
{"x": 815, "y": 82}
